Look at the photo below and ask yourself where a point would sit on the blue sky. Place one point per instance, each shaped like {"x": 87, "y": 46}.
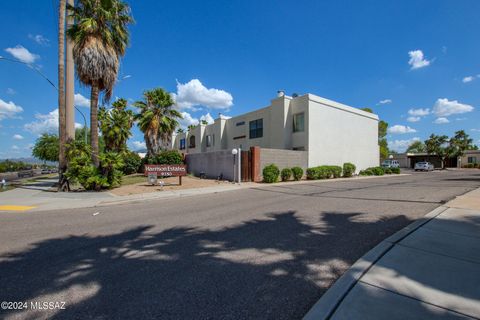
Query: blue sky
{"x": 420, "y": 58}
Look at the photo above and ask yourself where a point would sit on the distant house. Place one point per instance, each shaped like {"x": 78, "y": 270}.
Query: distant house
{"x": 332, "y": 133}
{"x": 408, "y": 160}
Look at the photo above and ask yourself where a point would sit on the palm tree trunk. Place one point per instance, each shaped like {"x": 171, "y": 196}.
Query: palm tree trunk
{"x": 62, "y": 163}
{"x": 94, "y": 124}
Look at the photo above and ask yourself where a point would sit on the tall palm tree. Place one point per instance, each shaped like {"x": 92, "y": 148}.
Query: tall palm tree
{"x": 61, "y": 90}
{"x": 116, "y": 124}
{"x": 157, "y": 119}
{"x": 100, "y": 38}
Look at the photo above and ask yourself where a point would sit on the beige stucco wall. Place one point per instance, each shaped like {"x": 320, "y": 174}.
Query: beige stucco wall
{"x": 341, "y": 134}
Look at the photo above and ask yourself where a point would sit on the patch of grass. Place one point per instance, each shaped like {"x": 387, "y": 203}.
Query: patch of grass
{"x": 8, "y": 187}
{"x": 133, "y": 178}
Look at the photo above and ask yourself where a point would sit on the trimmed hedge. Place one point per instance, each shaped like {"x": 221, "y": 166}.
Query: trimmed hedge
{"x": 270, "y": 173}
{"x": 286, "y": 174}
{"x": 379, "y": 171}
{"x": 297, "y": 173}
{"x": 348, "y": 169}
{"x": 324, "y": 172}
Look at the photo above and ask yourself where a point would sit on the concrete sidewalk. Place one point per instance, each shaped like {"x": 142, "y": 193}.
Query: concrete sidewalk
{"x": 429, "y": 270}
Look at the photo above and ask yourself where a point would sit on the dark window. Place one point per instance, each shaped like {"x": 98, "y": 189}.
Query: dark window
{"x": 256, "y": 128}
{"x": 472, "y": 159}
{"x": 210, "y": 140}
{"x": 192, "y": 142}
{"x": 182, "y": 144}
{"x": 299, "y": 122}
{"x": 241, "y": 123}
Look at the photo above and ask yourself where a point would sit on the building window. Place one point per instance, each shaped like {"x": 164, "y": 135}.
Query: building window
{"x": 256, "y": 128}
{"x": 192, "y": 142}
{"x": 182, "y": 144}
{"x": 299, "y": 122}
{"x": 240, "y": 123}
{"x": 472, "y": 159}
{"x": 210, "y": 140}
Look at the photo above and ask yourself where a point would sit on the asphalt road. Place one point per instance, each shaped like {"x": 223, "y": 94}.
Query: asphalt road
{"x": 264, "y": 253}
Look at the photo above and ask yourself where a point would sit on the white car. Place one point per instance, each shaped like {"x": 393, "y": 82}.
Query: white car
{"x": 390, "y": 164}
{"x": 423, "y": 166}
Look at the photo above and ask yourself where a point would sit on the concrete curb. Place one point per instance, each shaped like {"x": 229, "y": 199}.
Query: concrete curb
{"x": 325, "y": 307}
{"x": 166, "y": 195}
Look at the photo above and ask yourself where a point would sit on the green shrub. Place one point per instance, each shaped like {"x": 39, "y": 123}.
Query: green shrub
{"x": 165, "y": 157}
{"x": 82, "y": 170}
{"x": 395, "y": 170}
{"x": 297, "y": 173}
{"x": 336, "y": 171}
{"x": 378, "y": 171}
{"x": 388, "y": 171}
{"x": 348, "y": 169}
{"x": 324, "y": 172}
{"x": 286, "y": 174}
{"x": 366, "y": 172}
{"x": 270, "y": 173}
{"x": 132, "y": 162}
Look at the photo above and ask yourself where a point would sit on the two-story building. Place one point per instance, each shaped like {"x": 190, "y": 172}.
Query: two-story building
{"x": 332, "y": 133}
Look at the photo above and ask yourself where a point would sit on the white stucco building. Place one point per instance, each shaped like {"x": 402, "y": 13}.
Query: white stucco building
{"x": 332, "y": 133}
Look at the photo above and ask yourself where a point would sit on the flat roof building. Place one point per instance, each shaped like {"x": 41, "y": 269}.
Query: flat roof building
{"x": 332, "y": 133}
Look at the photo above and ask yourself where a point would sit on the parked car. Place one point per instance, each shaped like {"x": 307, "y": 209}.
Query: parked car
{"x": 423, "y": 166}
{"x": 390, "y": 164}
{"x": 46, "y": 171}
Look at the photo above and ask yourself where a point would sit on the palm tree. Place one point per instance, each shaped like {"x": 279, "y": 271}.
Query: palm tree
{"x": 157, "y": 119}
{"x": 61, "y": 90}
{"x": 116, "y": 124}
{"x": 100, "y": 38}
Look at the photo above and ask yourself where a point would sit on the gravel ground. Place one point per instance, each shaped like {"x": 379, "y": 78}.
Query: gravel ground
{"x": 264, "y": 253}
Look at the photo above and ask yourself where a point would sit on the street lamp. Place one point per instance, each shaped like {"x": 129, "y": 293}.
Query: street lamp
{"x": 236, "y": 152}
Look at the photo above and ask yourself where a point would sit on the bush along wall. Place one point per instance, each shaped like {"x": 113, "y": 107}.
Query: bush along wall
{"x": 324, "y": 172}
{"x": 297, "y": 173}
{"x": 379, "y": 171}
{"x": 270, "y": 173}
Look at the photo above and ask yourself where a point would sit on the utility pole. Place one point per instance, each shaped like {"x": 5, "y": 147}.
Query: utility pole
{"x": 70, "y": 83}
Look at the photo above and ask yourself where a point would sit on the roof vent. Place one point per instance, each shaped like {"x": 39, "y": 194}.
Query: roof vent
{"x": 280, "y": 93}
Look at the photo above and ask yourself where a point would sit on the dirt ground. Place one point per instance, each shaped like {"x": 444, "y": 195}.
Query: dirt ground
{"x": 188, "y": 182}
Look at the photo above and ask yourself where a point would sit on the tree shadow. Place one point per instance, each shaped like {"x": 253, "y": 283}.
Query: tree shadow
{"x": 271, "y": 268}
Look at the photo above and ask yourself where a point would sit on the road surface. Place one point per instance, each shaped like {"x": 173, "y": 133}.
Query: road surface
{"x": 264, "y": 253}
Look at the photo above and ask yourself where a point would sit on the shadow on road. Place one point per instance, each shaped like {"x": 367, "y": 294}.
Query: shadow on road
{"x": 274, "y": 268}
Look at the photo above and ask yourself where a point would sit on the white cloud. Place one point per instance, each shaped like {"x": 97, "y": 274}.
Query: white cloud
{"x": 413, "y": 119}
{"x": 475, "y": 130}
{"x": 17, "y": 137}
{"x": 22, "y": 54}
{"x": 401, "y": 145}
{"x": 207, "y": 117}
{"x": 419, "y": 112}
{"x": 385, "y": 101}
{"x": 15, "y": 147}
{"x": 137, "y": 145}
{"x": 81, "y": 101}
{"x": 41, "y": 40}
{"x": 400, "y": 129}
{"x": 187, "y": 120}
{"x": 441, "y": 120}
{"x": 11, "y": 91}
{"x": 45, "y": 123}
{"x": 468, "y": 79}
{"x": 444, "y": 107}
{"x": 417, "y": 60}
{"x": 194, "y": 93}
{"x": 9, "y": 109}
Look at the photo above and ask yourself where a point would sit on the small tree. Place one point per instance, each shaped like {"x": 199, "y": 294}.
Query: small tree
{"x": 439, "y": 145}
{"x": 116, "y": 124}
{"x": 46, "y": 147}
{"x": 417, "y": 147}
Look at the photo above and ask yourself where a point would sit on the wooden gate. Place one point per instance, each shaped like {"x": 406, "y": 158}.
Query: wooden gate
{"x": 246, "y": 166}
